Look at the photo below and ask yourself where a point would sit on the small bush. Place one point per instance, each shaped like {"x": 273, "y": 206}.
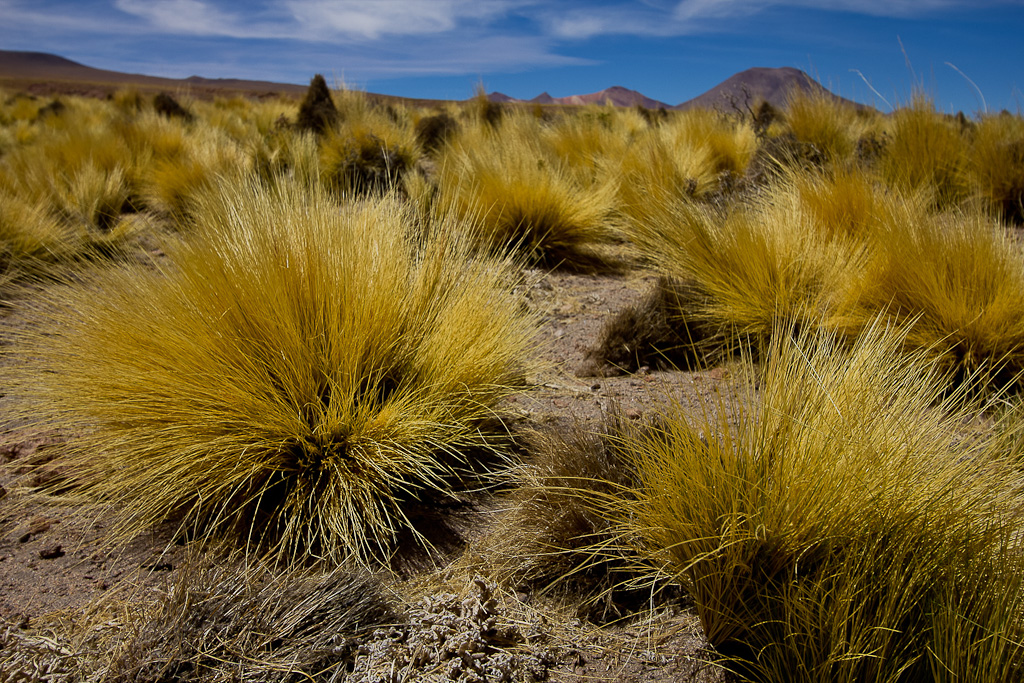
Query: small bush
{"x": 829, "y": 128}
{"x": 554, "y": 539}
{"x": 654, "y": 333}
{"x": 484, "y": 110}
{"x": 926, "y": 153}
{"x": 356, "y": 160}
{"x": 433, "y": 131}
{"x": 167, "y": 106}
{"x": 759, "y": 262}
{"x": 317, "y": 112}
{"x": 956, "y": 282}
{"x": 996, "y": 166}
{"x": 257, "y": 622}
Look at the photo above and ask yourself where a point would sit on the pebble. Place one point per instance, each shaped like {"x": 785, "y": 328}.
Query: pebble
{"x": 51, "y": 552}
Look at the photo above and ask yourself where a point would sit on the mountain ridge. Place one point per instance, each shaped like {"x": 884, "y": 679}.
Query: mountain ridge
{"x": 42, "y": 72}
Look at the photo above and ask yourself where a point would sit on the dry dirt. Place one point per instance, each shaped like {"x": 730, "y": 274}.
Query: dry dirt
{"x": 54, "y": 562}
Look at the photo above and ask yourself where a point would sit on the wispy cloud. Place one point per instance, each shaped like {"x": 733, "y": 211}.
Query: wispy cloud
{"x": 321, "y": 20}
{"x": 689, "y": 10}
{"x": 372, "y": 20}
{"x": 687, "y": 17}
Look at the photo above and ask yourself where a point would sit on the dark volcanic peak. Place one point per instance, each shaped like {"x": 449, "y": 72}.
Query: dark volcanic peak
{"x": 773, "y": 85}
{"x": 543, "y": 98}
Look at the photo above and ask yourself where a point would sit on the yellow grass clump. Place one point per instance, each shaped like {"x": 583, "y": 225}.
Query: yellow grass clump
{"x": 841, "y": 525}
{"x": 295, "y": 376}
{"x": 955, "y": 280}
{"x": 525, "y": 200}
{"x": 694, "y": 154}
{"x": 828, "y": 128}
{"x": 761, "y": 261}
{"x": 995, "y": 165}
{"x": 926, "y": 153}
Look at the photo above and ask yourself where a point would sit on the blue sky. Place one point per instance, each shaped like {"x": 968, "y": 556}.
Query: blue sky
{"x": 966, "y": 54}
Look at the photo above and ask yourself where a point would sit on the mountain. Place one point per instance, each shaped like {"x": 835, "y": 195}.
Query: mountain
{"x": 43, "y": 73}
{"x": 500, "y": 98}
{"x": 773, "y": 85}
{"x": 48, "y": 74}
{"x": 616, "y": 95}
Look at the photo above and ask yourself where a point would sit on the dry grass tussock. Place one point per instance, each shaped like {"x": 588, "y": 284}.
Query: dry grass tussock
{"x": 955, "y": 281}
{"x": 826, "y": 129}
{"x": 926, "y": 152}
{"x": 221, "y": 619}
{"x": 835, "y": 249}
{"x": 232, "y": 621}
{"x": 698, "y": 154}
{"x": 295, "y": 376}
{"x": 554, "y": 540}
{"x": 524, "y": 201}
{"x": 841, "y": 524}
{"x": 996, "y": 166}
{"x": 752, "y": 264}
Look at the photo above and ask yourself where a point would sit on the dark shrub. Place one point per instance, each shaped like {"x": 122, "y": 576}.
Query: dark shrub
{"x": 656, "y": 333}
{"x": 317, "y": 112}
{"x": 165, "y": 105}
{"x": 433, "y": 131}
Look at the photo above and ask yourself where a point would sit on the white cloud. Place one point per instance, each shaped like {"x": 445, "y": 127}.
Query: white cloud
{"x": 688, "y": 10}
{"x": 372, "y": 20}
{"x": 683, "y": 17}
{"x": 190, "y": 17}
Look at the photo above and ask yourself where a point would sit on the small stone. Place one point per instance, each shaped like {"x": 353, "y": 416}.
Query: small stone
{"x": 596, "y": 386}
{"x": 51, "y": 552}
{"x": 633, "y": 414}
{"x": 36, "y": 527}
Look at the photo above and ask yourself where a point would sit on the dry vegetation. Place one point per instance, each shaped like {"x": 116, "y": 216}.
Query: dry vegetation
{"x": 295, "y": 335}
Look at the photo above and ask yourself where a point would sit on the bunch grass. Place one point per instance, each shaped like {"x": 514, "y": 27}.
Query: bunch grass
{"x": 955, "y": 281}
{"x": 524, "y": 201}
{"x": 926, "y": 153}
{"x": 841, "y": 525}
{"x": 293, "y": 377}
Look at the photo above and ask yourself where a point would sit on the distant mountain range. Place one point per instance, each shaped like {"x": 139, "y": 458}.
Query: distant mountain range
{"x": 43, "y": 73}
{"x": 773, "y": 85}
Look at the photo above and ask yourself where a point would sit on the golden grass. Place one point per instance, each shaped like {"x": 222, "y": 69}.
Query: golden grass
{"x": 841, "y": 525}
{"x": 926, "y": 153}
{"x": 293, "y": 377}
{"x": 956, "y": 281}
{"x": 694, "y": 154}
{"x": 525, "y": 201}
{"x": 995, "y": 165}
{"x": 366, "y": 156}
{"x": 828, "y": 127}
{"x": 752, "y": 265}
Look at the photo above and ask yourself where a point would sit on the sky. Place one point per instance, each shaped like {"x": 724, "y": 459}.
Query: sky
{"x": 966, "y": 55}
